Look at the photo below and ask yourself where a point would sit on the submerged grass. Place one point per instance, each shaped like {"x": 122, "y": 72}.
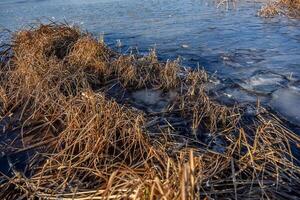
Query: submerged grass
{"x": 66, "y": 103}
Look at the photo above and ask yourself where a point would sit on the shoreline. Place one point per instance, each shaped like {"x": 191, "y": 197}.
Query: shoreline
{"x": 94, "y": 123}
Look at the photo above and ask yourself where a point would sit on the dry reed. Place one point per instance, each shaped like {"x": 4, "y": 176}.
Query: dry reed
{"x": 83, "y": 143}
{"x": 290, "y": 8}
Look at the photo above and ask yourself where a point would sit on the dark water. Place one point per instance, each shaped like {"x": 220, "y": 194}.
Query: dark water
{"x": 252, "y": 57}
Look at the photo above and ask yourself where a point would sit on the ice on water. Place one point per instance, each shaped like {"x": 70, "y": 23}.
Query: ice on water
{"x": 287, "y": 103}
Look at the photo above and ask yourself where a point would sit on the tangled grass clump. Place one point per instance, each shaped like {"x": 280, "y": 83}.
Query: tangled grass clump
{"x": 67, "y": 106}
{"x": 290, "y": 8}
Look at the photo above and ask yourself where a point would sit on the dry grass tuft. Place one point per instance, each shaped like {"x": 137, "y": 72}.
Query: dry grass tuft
{"x": 46, "y": 42}
{"x": 89, "y": 53}
{"x": 3, "y": 101}
{"x": 290, "y": 8}
{"x": 58, "y": 110}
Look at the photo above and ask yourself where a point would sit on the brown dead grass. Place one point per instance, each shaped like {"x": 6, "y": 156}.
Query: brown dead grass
{"x": 3, "y": 101}
{"x": 290, "y": 8}
{"x": 88, "y": 145}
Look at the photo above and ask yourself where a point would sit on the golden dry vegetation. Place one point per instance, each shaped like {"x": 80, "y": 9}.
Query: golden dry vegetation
{"x": 67, "y": 106}
{"x": 290, "y": 8}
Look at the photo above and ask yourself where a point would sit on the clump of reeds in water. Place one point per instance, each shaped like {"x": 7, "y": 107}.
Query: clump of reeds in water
{"x": 67, "y": 102}
{"x": 290, "y": 8}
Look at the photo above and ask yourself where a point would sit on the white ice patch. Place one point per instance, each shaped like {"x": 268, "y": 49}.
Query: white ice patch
{"x": 154, "y": 100}
{"x": 264, "y": 82}
{"x": 287, "y": 103}
{"x": 185, "y": 46}
{"x": 148, "y": 97}
{"x": 240, "y": 96}
{"x": 256, "y": 81}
